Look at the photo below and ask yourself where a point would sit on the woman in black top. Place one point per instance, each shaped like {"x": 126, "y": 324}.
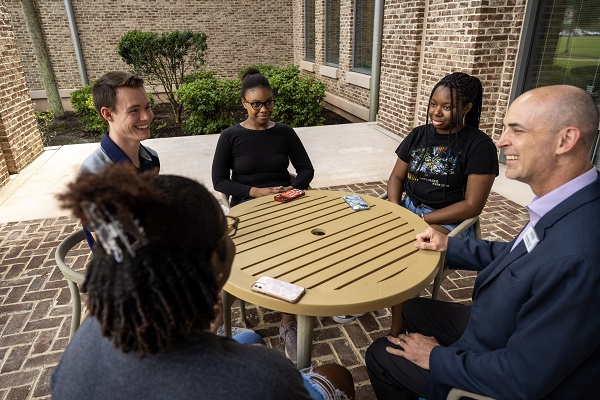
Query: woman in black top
{"x": 447, "y": 166}
{"x": 257, "y": 152}
{"x": 251, "y": 159}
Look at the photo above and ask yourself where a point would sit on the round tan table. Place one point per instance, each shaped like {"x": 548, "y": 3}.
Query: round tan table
{"x": 348, "y": 261}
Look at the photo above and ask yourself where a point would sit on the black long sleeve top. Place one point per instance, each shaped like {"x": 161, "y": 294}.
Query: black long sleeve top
{"x": 246, "y": 158}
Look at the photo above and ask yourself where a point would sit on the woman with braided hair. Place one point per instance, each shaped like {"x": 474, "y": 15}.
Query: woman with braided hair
{"x": 446, "y": 167}
{"x": 162, "y": 256}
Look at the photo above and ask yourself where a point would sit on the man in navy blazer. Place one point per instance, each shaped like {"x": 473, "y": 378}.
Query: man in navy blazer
{"x": 533, "y": 331}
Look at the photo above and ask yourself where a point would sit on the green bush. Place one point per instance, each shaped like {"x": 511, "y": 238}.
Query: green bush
{"x": 209, "y": 103}
{"x": 194, "y": 76}
{"x": 164, "y": 58}
{"x": 81, "y": 100}
{"x": 44, "y": 120}
{"x": 298, "y": 99}
{"x": 83, "y": 104}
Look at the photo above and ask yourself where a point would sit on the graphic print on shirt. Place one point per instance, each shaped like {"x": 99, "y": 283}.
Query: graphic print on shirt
{"x": 432, "y": 164}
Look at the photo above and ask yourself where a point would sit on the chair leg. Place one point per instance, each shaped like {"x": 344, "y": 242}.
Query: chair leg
{"x": 437, "y": 281}
{"x": 226, "y": 298}
{"x": 243, "y": 311}
{"x": 76, "y": 313}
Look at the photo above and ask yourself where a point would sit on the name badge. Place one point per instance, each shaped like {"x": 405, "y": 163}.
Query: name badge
{"x": 530, "y": 238}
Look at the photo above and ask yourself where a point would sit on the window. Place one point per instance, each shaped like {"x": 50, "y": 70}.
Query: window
{"x": 332, "y": 32}
{"x": 563, "y": 46}
{"x": 364, "y": 14}
{"x": 566, "y": 46}
{"x": 309, "y": 30}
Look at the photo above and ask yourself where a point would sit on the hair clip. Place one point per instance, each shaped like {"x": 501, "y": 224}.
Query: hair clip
{"x": 110, "y": 231}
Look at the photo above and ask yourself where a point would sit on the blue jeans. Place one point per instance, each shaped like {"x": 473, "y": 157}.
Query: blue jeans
{"x": 423, "y": 209}
{"x": 254, "y": 338}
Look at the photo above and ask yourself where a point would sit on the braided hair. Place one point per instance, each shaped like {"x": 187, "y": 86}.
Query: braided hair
{"x": 166, "y": 292}
{"x": 464, "y": 89}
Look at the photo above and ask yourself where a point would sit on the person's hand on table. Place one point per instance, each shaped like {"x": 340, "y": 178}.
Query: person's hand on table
{"x": 262, "y": 192}
{"x": 414, "y": 347}
{"x": 430, "y": 239}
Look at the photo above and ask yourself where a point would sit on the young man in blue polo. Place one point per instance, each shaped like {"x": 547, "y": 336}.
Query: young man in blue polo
{"x": 120, "y": 98}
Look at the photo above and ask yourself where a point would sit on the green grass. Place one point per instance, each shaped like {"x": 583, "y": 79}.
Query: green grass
{"x": 579, "y": 47}
{"x": 571, "y": 64}
{"x": 577, "y": 66}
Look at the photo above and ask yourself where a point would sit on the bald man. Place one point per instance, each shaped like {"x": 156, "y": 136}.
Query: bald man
{"x": 533, "y": 331}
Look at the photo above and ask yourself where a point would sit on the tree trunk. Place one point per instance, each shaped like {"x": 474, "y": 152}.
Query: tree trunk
{"x": 41, "y": 54}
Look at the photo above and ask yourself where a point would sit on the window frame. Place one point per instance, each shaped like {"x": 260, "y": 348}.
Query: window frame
{"x": 307, "y": 56}
{"x": 360, "y": 70}
{"x": 328, "y": 36}
{"x": 534, "y": 10}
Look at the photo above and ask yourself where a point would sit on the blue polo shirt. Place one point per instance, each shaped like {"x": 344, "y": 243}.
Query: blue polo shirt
{"x": 110, "y": 153}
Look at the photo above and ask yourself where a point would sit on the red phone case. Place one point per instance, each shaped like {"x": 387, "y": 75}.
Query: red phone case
{"x": 289, "y": 195}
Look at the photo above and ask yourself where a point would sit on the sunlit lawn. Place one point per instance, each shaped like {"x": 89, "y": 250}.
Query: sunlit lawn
{"x": 579, "y": 47}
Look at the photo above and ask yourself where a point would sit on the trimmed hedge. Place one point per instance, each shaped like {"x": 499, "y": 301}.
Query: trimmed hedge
{"x": 211, "y": 102}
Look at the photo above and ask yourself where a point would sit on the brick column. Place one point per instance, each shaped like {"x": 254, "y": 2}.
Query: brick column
{"x": 424, "y": 40}
{"x": 20, "y": 141}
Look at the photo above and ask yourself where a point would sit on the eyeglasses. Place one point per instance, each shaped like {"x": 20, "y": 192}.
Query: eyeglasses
{"x": 257, "y": 105}
{"x": 232, "y": 225}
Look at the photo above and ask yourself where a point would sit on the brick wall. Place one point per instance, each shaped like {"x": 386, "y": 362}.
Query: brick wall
{"x": 476, "y": 37}
{"x": 401, "y": 52}
{"x": 426, "y": 40}
{"x": 239, "y": 33}
{"x": 338, "y": 87}
{"x": 20, "y": 140}
{"x": 298, "y": 29}
{"x": 479, "y": 37}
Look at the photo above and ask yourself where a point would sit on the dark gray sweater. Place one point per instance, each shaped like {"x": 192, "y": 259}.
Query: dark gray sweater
{"x": 213, "y": 367}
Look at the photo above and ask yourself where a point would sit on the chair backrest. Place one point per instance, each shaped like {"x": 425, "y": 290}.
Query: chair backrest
{"x": 475, "y": 221}
{"x": 465, "y": 225}
{"x": 457, "y": 394}
{"x": 225, "y": 200}
{"x": 73, "y": 277}
{"x": 61, "y": 253}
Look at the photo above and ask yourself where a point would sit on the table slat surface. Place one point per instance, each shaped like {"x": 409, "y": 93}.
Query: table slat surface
{"x": 348, "y": 261}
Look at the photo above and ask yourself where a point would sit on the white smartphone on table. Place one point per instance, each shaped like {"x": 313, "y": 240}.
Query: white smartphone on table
{"x": 279, "y": 289}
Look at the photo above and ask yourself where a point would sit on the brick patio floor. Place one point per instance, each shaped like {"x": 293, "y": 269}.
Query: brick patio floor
{"x": 35, "y": 310}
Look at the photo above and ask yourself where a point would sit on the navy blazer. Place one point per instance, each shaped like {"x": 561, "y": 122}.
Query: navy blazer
{"x": 534, "y": 330}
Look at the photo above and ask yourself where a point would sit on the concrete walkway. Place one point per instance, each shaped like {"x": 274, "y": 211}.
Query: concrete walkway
{"x": 35, "y": 303}
{"x": 341, "y": 154}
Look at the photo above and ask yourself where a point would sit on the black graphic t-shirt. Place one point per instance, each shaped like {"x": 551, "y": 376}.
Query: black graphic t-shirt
{"x": 438, "y": 164}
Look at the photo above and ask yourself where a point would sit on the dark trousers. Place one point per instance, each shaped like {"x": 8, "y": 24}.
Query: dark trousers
{"x": 394, "y": 377}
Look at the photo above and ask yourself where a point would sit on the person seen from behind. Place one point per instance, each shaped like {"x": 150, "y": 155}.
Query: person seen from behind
{"x": 164, "y": 253}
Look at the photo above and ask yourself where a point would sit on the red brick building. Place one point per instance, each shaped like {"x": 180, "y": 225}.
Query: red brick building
{"x": 511, "y": 45}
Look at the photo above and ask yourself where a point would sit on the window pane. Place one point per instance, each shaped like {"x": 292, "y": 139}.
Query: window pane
{"x": 332, "y": 32}
{"x": 309, "y": 30}
{"x": 363, "y": 34}
{"x": 566, "y": 46}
